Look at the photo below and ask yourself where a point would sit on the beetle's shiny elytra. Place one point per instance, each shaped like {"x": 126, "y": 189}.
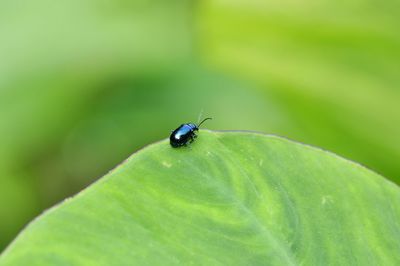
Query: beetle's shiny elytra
{"x": 184, "y": 134}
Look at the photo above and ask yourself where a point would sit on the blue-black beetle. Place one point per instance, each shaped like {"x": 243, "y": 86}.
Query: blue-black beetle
{"x": 185, "y": 134}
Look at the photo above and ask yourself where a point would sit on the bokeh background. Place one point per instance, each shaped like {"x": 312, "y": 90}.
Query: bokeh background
{"x": 85, "y": 83}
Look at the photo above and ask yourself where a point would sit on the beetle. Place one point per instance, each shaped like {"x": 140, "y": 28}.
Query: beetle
{"x": 185, "y": 134}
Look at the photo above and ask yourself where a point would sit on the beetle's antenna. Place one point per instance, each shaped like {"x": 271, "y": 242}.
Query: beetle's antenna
{"x": 200, "y": 115}
{"x": 208, "y": 118}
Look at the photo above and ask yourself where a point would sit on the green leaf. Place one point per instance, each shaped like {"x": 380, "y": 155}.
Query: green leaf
{"x": 230, "y": 198}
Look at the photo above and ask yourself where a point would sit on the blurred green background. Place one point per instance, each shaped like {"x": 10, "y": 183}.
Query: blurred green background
{"x": 83, "y": 84}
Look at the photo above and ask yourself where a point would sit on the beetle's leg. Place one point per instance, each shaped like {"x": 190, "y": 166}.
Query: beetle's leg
{"x": 192, "y": 137}
{"x": 187, "y": 144}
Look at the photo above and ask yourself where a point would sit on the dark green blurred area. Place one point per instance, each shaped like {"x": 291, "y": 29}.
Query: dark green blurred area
{"x": 83, "y": 84}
